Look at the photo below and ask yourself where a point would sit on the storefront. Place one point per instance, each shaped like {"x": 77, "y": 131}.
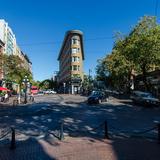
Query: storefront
{"x": 153, "y": 80}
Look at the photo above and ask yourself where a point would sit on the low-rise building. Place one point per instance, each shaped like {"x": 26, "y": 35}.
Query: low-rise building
{"x": 27, "y": 64}
{"x": 153, "y": 79}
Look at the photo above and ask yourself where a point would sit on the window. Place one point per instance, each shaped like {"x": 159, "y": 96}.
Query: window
{"x": 75, "y": 68}
{"x": 74, "y": 50}
{"x": 78, "y": 59}
{"x": 75, "y": 40}
{"x": 75, "y": 59}
{"x": 78, "y": 49}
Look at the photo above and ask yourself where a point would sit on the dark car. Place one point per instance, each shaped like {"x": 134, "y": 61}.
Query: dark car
{"x": 97, "y": 97}
{"x": 144, "y": 98}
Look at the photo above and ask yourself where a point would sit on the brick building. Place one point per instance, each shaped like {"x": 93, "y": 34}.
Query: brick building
{"x": 71, "y": 57}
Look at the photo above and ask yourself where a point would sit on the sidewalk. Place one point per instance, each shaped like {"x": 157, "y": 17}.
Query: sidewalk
{"x": 8, "y": 103}
{"x": 82, "y": 149}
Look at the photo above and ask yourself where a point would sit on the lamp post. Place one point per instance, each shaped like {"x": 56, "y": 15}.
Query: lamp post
{"x": 89, "y": 81}
{"x": 26, "y": 83}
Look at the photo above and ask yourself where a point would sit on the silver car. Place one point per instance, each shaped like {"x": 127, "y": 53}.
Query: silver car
{"x": 144, "y": 98}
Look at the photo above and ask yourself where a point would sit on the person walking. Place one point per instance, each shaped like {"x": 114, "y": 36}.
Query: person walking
{"x": 6, "y": 97}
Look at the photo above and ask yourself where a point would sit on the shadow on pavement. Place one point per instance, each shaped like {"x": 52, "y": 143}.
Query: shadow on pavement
{"x": 29, "y": 149}
{"x": 136, "y": 149}
{"x": 43, "y": 120}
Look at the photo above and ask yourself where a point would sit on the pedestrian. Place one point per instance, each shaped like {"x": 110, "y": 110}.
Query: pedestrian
{"x": 6, "y": 98}
{"x": 32, "y": 97}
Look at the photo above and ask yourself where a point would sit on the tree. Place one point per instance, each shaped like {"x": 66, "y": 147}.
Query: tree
{"x": 13, "y": 69}
{"x": 138, "y": 51}
{"x": 48, "y": 84}
{"x": 114, "y": 70}
{"x": 142, "y": 46}
{"x": 87, "y": 84}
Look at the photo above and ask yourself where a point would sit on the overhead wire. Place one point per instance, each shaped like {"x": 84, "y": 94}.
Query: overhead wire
{"x": 54, "y": 42}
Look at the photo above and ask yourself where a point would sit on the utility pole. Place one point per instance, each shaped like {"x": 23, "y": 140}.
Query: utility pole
{"x": 89, "y": 80}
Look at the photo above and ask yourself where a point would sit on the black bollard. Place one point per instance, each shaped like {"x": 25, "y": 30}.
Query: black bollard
{"x": 61, "y": 132}
{"x": 158, "y": 126}
{"x": 106, "y": 130}
{"x": 13, "y": 139}
{"x": 13, "y": 103}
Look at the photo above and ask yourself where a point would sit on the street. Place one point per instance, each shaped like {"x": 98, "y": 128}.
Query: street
{"x": 41, "y": 122}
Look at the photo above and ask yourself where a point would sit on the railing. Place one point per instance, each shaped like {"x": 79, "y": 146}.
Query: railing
{"x": 104, "y": 126}
{"x": 16, "y": 101}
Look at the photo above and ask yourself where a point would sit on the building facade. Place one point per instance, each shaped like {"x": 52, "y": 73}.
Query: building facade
{"x": 10, "y": 47}
{"x": 8, "y": 37}
{"x": 1, "y": 62}
{"x": 71, "y": 59}
{"x": 27, "y": 64}
{"x": 153, "y": 79}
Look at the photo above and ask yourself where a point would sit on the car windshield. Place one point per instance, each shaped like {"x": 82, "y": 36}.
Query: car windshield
{"x": 147, "y": 95}
{"x": 95, "y": 93}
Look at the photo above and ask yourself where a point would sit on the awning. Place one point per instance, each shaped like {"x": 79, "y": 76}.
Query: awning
{"x": 4, "y": 89}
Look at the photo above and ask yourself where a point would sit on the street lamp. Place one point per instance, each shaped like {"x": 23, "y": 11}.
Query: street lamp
{"x": 26, "y": 83}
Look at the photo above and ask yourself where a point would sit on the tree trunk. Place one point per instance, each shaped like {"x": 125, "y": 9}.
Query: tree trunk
{"x": 144, "y": 74}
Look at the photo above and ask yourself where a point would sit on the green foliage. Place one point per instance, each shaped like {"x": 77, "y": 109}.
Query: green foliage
{"x": 87, "y": 84}
{"x": 14, "y": 70}
{"x": 48, "y": 84}
{"x": 35, "y": 83}
{"x": 138, "y": 51}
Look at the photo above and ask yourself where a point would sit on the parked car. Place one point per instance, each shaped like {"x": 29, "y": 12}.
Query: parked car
{"x": 40, "y": 93}
{"x": 144, "y": 98}
{"x": 49, "y": 91}
{"x": 53, "y": 92}
{"x": 97, "y": 97}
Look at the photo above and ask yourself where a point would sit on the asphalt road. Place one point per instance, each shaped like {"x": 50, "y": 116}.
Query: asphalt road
{"x": 48, "y": 111}
{"x": 37, "y": 128}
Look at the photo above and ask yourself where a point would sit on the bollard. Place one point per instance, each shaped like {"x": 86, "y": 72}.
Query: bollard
{"x": 13, "y": 103}
{"x": 13, "y": 140}
{"x": 61, "y": 132}
{"x": 106, "y": 130}
{"x": 158, "y": 126}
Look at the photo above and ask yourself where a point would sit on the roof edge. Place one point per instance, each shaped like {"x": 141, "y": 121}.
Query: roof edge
{"x": 65, "y": 38}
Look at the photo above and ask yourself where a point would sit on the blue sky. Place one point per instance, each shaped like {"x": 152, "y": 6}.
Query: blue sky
{"x": 40, "y": 25}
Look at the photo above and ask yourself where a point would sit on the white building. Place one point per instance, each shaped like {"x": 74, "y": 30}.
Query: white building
{"x": 7, "y": 36}
{"x": 10, "y": 46}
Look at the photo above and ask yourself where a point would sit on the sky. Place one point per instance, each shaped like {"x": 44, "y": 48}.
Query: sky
{"x": 40, "y": 26}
